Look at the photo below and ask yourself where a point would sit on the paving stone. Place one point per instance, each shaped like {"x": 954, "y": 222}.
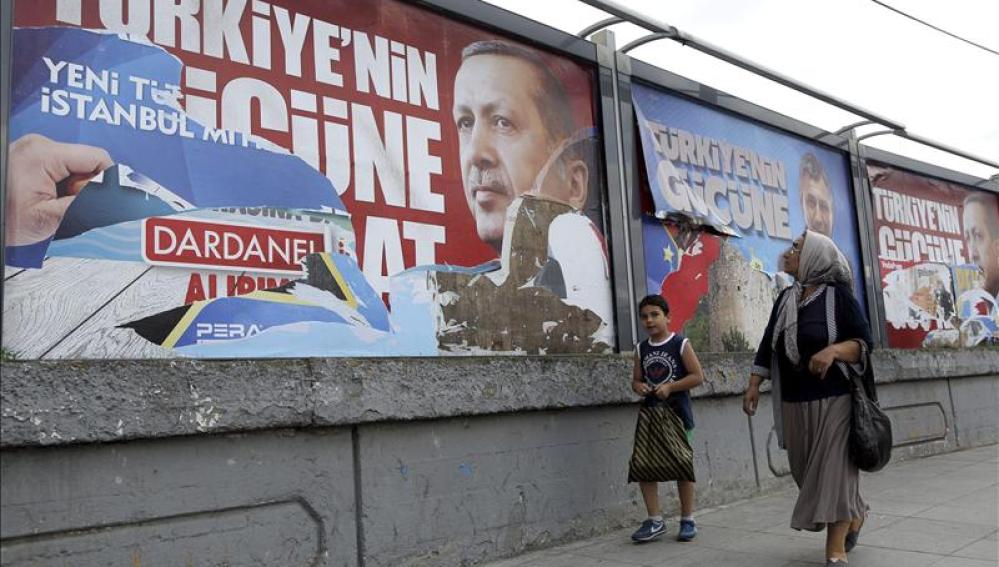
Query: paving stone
{"x": 941, "y": 516}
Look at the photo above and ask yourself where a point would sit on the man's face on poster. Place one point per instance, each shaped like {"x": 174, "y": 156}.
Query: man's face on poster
{"x": 817, "y": 205}
{"x": 502, "y": 137}
{"x": 979, "y": 236}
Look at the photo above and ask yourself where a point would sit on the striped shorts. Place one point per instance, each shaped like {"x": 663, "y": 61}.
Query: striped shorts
{"x": 662, "y": 450}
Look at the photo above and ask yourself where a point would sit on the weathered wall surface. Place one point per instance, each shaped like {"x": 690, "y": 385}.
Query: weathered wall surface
{"x": 388, "y": 462}
{"x": 282, "y": 497}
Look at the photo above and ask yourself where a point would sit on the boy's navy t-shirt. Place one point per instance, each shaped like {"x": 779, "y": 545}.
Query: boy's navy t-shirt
{"x": 663, "y": 362}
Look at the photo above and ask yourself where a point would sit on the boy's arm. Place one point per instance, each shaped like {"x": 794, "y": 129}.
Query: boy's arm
{"x": 694, "y": 377}
{"x": 638, "y": 384}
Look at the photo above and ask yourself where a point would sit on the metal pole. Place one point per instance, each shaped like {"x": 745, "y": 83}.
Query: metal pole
{"x": 873, "y": 134}
{"x": 927, "y": 142}
{"x": 945, "y": 148}
{"x": 617, "y": 193}
{"x": 630, "y": 165}
{"x": 703, "y": 46}
{"x": 868, "y": 240}
{"x": 595, "y": 27}
{"x": 6, "y": 62}
{"x": 849, "y": 127}
{"x": 643, "y": 40}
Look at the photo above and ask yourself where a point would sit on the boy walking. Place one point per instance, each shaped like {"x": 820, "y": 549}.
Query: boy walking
{"x": 666, "y": 368}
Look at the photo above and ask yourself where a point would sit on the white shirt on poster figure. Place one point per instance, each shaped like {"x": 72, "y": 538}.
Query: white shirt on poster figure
{"x": 574, "y": 242}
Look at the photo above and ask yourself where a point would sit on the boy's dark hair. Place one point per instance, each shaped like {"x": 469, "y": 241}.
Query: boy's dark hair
{"x": 654, "y": 300}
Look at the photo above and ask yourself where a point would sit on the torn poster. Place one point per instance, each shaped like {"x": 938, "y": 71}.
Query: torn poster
{"x": 712, "y": 175}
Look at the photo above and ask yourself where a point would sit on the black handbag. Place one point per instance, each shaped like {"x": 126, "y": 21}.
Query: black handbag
{"x": 870, "y": 430}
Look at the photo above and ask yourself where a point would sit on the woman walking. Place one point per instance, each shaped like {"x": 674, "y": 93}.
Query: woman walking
{"x": 817, "y": 335}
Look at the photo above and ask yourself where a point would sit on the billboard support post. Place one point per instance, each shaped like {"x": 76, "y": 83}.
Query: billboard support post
{"x": 868, "y": 251}
{"x": 6, "y": 62}
{"x": 618, "y": 196}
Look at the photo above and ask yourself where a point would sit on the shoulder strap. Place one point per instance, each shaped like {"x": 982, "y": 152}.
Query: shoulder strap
{"x": 830, "y": 293}
{"x": 830, "y": 313}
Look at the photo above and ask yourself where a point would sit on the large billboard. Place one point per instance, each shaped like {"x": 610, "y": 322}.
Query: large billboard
{"x": 728, "y": 197}
{"x": 938, "y": 253}
{"x": 296, "y": 178}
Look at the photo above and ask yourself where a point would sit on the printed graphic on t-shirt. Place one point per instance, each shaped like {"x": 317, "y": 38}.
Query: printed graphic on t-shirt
{"x": 659, "y": 367}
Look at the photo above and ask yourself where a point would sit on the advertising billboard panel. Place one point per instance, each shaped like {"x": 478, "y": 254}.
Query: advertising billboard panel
{"x": 296, "y": 178}
{"x": 938, "y": 254}
{"x": 728, "y": 197}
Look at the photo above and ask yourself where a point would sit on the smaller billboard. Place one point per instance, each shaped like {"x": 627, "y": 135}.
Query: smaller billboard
{"x": 729, "y": 195}
{"x": 938, "y": 255}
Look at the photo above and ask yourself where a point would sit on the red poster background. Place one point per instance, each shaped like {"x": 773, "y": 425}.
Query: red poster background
{"x": 919, "y": 187}
{"x": 415, "y": 27}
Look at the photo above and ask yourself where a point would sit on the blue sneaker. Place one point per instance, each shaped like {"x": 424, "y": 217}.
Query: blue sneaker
{"x": 649, "y": 530}
{"x": 688, "y": 530}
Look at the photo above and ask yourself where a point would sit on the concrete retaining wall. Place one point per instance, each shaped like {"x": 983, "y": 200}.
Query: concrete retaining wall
{"x": 387, "y": 462}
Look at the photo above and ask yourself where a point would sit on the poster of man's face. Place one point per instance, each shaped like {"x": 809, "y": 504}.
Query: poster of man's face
{"x": 816, "y": 196}
{"x": 981, "y": 236}
{"x": 525, "y": 176}
{"x": 513, "y": 125}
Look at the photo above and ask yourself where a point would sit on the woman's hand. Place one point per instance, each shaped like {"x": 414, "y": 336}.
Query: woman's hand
{"x": 640, "y": 388}
{"x": 752, "y": 396}
{"x": 750, "y": 399}
{"x": 820, "y": 363}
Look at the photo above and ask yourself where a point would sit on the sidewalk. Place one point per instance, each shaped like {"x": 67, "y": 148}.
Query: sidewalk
{"x": 939, "y": 511}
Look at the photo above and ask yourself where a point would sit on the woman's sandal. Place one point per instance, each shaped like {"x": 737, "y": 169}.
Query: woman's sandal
{"x": 851, "y": 540}
{"x": 852, "y": 537}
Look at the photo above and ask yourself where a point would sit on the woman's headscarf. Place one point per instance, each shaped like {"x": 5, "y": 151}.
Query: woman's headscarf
{"x": 820, "y": 262}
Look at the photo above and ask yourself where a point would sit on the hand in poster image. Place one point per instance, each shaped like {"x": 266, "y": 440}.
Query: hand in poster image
{"x": 512, "y": 116}
{"x": 43, "y": 179}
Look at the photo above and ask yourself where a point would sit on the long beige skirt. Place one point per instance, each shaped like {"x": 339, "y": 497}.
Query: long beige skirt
{"x": 816, "y": 435}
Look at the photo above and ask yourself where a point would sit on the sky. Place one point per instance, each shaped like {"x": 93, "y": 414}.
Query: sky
{"x": 937, "y": 86}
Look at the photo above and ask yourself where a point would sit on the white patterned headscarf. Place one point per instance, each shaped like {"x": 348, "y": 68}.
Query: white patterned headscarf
{"x": 820, "y": 262}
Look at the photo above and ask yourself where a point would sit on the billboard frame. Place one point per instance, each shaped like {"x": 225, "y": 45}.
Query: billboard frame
{"x": 744, "y": 110}
{"x": 6, "y": 65}
{"x": 868, "y": 153}
{"x": 491, "y": 19}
